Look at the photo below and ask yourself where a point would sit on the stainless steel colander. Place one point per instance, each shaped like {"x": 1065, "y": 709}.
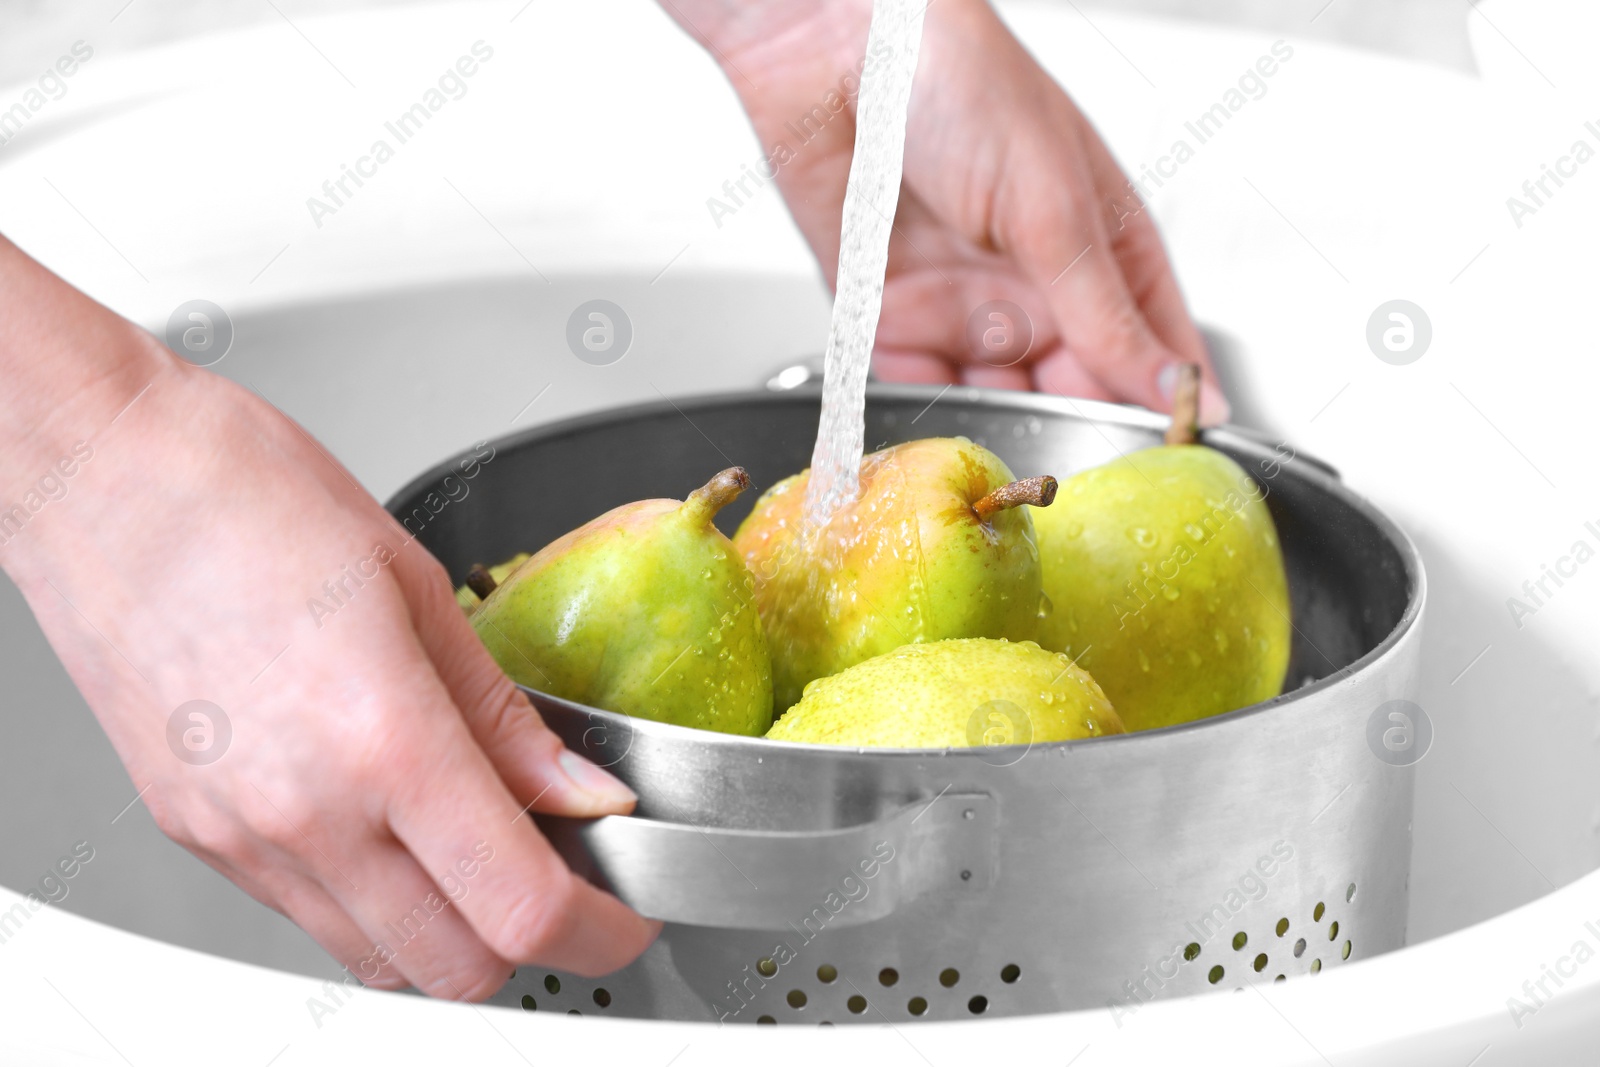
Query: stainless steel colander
{"x": 810, "y": 884}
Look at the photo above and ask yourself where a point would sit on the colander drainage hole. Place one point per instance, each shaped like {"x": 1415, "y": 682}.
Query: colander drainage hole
{"x": 857, "y": 1004}
{"x": 1333, "y": 931}
{"x": 978, "y": 1005}
{"x": 1345, "y": 954}
{"x": 574, "y": 1011}
{"x": 1350, "y": 893}
{"x": 1316, "y": 965}
{"x": 827, "y": 973}
{"x": 916, "y": 1006}
{"x": 1283, "y": 927}
{"x": 888, "y": 976}
{"x": 1261, "y": 963}
{"x": 1240, "y": 939}
{"x": 602, "y": 997}
{"x": 766, "y": 1020}
{"x": 552, "y": 984}
{"x": 1299, "y": 948}
{"x": 1216, "y": 974}
{"x": 1010, "y": 973}
{"x": 949, "y": 977}
{"x": 1317, "y": 912}
{"x": 1280, "y": 978}
{"x": 1191, "y": 950}
{"x": 528, "y": 1003}
{"x": 766, "y": 967}
{"x": 796, "y": 999}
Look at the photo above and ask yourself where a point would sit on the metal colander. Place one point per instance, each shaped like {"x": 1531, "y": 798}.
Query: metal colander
{"x": 811, "y": 884}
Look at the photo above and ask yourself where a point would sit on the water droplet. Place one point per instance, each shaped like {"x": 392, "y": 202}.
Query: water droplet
{"x": 1144, "y": 662}
{"x": 1228, "y": 551}
{"x": 1073, "y": 529}
{"x": 706, "y": 573}
{"x": 1142, "y": 537}
{"x": 1194, "y": 658}
{"x": 1222, "y": 640}
{"x": 1194, "y": 531}
{"x": 1046, "y": 606}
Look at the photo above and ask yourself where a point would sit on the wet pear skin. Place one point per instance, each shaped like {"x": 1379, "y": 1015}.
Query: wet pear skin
{"x": 1167, "y": 583}
{"x": 952, "y": 694}
{"x": 909, "y": 562}
{"x": 646, "y": 610}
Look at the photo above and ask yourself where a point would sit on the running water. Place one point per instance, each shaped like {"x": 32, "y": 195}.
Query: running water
{"x": 870, "y": 200}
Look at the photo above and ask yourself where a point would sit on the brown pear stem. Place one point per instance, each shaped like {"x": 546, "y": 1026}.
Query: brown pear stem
{"x": 1038, "y": 491}
{"x": 1185, "y": 428}
{"x": 723, "y": 489}
{"x": 480, "y": 581}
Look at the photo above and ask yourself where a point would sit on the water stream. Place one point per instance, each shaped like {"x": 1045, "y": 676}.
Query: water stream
{"x": 870, "y": 200}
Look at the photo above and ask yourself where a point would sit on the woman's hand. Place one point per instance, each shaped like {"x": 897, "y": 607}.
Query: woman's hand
{"x": 380, "y": 764}
{"x": 1008, "y": 195}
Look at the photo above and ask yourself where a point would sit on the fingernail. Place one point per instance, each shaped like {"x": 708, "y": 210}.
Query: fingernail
{"x": 1214, "y": 409}
{"x": 1167, "y": 381}
{"x": 593, "y": 780}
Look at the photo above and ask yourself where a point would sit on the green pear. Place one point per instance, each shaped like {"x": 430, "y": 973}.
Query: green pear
{"x": 646, "y": 610}
{"x": 470, "y": 595}
{"x": 952, "y": 694}
{"x": 935, "y": 546}
{"x": 1167, "y": 582}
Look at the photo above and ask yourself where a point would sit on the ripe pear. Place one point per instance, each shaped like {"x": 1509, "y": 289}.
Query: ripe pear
{"x": 1167, "y": 581}
{"x": 952, "y": 694}
{"x": 935, "y": 546}
{"x": 469, "y": 596}
{"x": 646, "y": 610}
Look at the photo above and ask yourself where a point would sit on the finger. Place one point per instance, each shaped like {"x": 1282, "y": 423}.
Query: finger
{"x": 1061, "y": 242}
{"x": 541, "y": 772}
{"x": 997, "y": 377}
{"x": 914, "y": 367}
{"x": 525, "y": 904}
{"x": 312, "y": 909}
{"x": 1150, "y": 280}
{"x": 411, "y": 924}
{"x": 1060, "y": 372}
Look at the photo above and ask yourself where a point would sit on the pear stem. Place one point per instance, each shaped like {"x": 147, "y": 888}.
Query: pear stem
{"x": 1185, "y": 407}
{"x": 723, "y": 489}
{"x": 1036, "y": 491}
{"x": 480, "y": 581}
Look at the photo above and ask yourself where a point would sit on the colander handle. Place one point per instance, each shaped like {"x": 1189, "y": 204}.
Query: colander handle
{"x": 758, "y": 880}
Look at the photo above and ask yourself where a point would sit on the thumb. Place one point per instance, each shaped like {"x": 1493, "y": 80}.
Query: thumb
{"x": 541, "y": 772}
